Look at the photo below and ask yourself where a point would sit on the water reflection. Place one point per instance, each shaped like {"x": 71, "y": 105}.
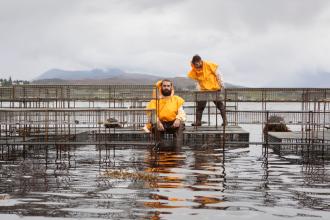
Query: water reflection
{"x": 185, "y": 183}
{"x": 195, "y": 178}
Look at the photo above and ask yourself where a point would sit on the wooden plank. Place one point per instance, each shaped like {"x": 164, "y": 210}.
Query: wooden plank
{"x": 299, "y": 135}
{"x": 139, "y": 143}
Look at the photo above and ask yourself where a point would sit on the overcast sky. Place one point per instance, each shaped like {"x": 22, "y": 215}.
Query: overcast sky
{"x": 255, "y": 42}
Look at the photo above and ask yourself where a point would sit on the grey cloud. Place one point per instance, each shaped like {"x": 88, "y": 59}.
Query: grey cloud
{"x": 255, "y": 42}
{"x": 254, "y": 15}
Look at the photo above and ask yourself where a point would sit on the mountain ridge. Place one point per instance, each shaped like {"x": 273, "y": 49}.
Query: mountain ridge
{"x": 110, "y": 76}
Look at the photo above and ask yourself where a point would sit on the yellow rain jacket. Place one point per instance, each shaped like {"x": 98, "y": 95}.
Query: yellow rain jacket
{"x": 206, "y": 76}
{"x": 168, "y": 108}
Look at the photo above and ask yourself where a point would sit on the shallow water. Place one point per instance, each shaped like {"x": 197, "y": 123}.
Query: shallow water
{"x": 186, "y": 183}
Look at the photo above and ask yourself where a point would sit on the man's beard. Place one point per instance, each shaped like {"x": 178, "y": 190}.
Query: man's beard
{"x": 166, "y": 92}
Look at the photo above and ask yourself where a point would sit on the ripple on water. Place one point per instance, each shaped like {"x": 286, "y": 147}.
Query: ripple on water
{"x": 187, "y": 184}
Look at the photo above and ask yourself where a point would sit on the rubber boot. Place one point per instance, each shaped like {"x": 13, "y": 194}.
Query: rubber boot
{"x": 199, "y": 113}
{"x": 222, "y": 109}
{"x": 224, "y": 117}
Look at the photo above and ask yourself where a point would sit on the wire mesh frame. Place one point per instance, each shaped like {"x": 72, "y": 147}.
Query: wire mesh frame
{"x": 65, "y": 124}
{"x": 306, "y": 94}
{"x": 67, "y": 96}
{"x": 118, "y": 94}
{"x": 81, "y": 92}
{"x": 129, "y": 92}
{"x": 71, "y": 92}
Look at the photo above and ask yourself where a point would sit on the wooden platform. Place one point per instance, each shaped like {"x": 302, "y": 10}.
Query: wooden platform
{"x": 192, "y": 135}
{"x": 296, "y": 136}
{"x": 297, "y": 142}
{"x": 205, "y": 135}
{"x": 127, "y": 136}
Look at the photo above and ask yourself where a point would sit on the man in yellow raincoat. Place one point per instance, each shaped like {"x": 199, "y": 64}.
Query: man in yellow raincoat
{"x": 205, "y": 73}
{"x": 170, "y": 113}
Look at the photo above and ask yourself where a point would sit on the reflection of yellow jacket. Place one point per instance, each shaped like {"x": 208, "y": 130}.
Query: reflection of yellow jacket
{"x": 206, "y": 77}
{"x": 168, "y": 108}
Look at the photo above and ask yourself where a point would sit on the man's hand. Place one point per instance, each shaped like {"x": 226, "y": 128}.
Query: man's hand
{"x": 218, "y": 77}
{"x": 176, "y": 123}
{"x": 219, "y": 81}
{"x": 198, "y": 87}
{"x": 160, "y": 126}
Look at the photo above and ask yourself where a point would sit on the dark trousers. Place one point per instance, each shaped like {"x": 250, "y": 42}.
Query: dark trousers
{"x": 169, "y": 129}
{"x": 201, "y": 106}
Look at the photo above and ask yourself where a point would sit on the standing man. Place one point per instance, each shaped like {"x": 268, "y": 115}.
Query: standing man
{"x": 205, "y": 73}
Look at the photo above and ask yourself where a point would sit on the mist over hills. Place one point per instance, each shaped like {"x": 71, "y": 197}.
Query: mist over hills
{"x": 79, "y": 74}
{"x": 111, "y": 76}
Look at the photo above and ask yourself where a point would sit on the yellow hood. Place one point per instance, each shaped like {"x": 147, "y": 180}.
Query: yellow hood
{"x": 158, "y": 90}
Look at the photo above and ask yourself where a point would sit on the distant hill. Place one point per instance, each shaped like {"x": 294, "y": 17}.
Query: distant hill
{"x": 110, "y": 76}
{"x": 80, "y": 74}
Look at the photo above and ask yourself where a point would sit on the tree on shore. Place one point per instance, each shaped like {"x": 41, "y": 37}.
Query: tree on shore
{"x": 9, "y": 82}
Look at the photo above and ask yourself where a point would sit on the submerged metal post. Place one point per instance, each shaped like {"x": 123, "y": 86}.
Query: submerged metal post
{"x": 224, "y": 125}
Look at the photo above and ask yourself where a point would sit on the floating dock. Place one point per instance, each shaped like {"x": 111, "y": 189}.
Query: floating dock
{"x": 125, "y": 136}
{"x": 296, "y": 136}
{"x": 298, "y": 142}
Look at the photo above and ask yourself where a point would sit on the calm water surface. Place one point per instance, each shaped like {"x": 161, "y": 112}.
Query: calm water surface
{"x": 187, "y": 183}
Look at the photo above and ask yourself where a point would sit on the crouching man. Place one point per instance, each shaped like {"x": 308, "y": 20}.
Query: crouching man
{"x": 170, "y": 113}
